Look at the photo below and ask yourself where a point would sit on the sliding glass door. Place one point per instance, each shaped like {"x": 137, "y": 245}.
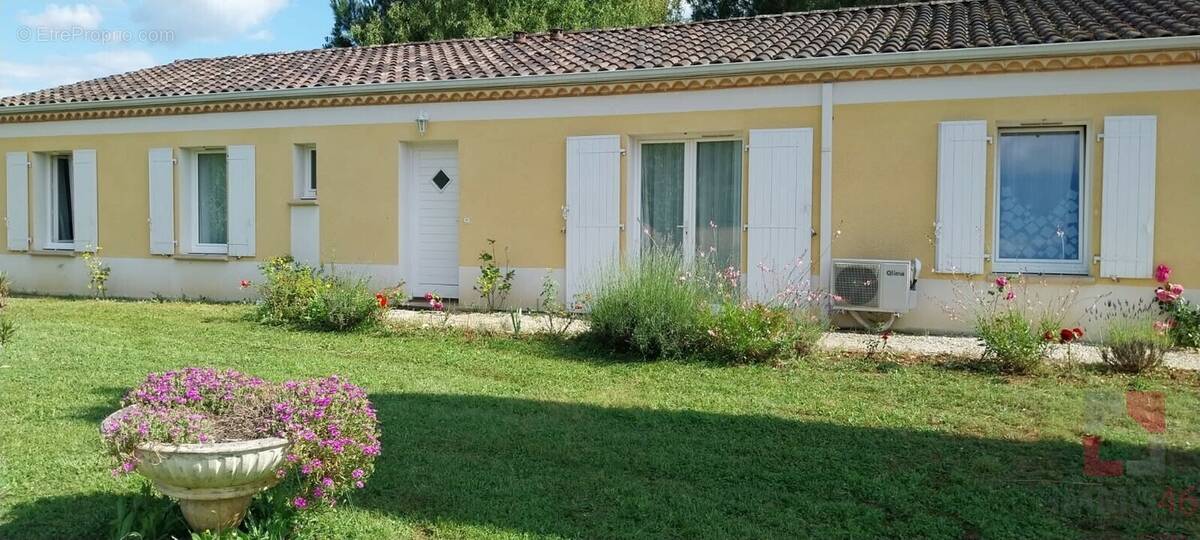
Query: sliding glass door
{"x": 691, "y": 199}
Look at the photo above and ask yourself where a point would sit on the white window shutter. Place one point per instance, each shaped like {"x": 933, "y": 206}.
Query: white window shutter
{"x": 162, "y": 201}
{"x": 592, "y": 211}
{"x": 17, "y": 219}
{"x": 1127, "y": 213}
{"x": 241, "y": 200}
{"x": 779, "y": 223}
{"x": 84, "y": 200}
{"x": 961, "y": 196}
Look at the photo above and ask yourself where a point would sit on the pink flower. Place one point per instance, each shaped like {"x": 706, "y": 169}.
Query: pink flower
{"x": 1010, "y": 296}
{"x": 1166, "y": 295}
{"x": 300, "y": 503}
{"x": 1162, "y": 273}
{"x": 1176, "y": 289}
{"x": 245, "y": 284}
{"x": 359, "y": 484}
{"x": 357, "y": 474}
{"x": 327, "y": 482}
{"x": 1162, "y": 326}
{"x": 1001, "y": 282}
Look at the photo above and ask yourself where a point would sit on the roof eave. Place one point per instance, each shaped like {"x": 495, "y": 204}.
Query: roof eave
{"x": 651, "y": 74}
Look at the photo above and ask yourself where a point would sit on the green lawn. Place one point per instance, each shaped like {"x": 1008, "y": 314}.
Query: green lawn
{"x": 501, "y": 438}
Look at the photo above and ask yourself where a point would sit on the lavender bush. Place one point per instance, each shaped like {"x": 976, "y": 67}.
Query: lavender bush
{"x": 330, "y": 422}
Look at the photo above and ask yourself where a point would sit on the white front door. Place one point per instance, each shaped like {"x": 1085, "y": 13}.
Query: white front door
{"x": 434, "y": 186}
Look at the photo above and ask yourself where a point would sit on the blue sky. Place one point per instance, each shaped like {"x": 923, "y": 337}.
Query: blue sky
{"x": 45, "y": 44}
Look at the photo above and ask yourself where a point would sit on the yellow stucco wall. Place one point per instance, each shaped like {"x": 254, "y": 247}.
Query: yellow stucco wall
{"x": 885, "y": 170}
{"x": 512, "y": 174}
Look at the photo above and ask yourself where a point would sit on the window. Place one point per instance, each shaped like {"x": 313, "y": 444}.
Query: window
{"x": 691, "y": 198}
{"x": 61, "y": 215}
{"x": 308, "y": 186}
{"x": 1040, "y": 202}
{"x": 210, "y": 210}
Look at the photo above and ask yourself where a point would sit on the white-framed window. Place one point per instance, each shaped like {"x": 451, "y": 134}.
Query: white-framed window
{"x": 690, "y": 197}
{"x": 306, "y": 173}
{"x": 60, "y": 213}
{"x": 1041, "y": 196}
{"x": 210, "y": 201}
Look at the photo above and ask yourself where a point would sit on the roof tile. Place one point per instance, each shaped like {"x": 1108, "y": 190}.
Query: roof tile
{"x": 936, "y": 25}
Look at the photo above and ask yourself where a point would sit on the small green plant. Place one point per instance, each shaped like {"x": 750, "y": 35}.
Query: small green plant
{"x": 98, "y": 272}
{"x": 515, "y": 318}
{"x": 494, "y": 283}
{"x": 558, "y": 317}
{"x": 7, "y": 330}
{"x": 5, "y": 289}
{"x": 1134, "y": 345}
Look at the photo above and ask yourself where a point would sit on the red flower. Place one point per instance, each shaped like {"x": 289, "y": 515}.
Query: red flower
{"x": 383, "y": 299}
{"x": 886, "y": 335}
{"x": 245, "y": 284}
{"x": 1078, "y": 332}
{"x": 1066, "y": 335}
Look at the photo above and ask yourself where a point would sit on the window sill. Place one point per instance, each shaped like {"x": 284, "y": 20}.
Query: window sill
{"x": 212, "y": 257}
{"x": 52, "y": 252}
{"x": 303, "y": 202}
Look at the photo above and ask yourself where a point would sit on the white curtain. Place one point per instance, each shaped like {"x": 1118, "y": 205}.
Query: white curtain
{"x": 719, "y": 202}
{"x": 213, "y": 201}
{"x": 662, "y": 195}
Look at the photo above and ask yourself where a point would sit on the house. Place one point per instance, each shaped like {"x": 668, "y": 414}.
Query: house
{"x": 1049, "y": 137}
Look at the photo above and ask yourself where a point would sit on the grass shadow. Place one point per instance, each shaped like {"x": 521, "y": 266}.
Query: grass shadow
{"x": 111, "y": 397}
{"x": 568, "y": 470}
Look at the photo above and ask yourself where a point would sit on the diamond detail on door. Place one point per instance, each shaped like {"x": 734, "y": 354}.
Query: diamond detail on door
{"x": 440, "y": 180}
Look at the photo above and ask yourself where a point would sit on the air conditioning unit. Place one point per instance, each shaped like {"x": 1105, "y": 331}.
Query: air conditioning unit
{"x": 875, "y": 285}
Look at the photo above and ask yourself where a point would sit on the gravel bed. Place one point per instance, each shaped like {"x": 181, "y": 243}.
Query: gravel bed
{"x": 499, "y": 322}
{"x": 968, "y": 347}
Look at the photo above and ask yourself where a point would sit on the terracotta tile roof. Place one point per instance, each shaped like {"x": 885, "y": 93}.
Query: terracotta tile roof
{"x": 928, "y": 26}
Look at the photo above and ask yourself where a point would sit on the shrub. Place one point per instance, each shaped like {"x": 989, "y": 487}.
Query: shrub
{"x": 287, "y": 289}
{"x": 653, "y": 308}
{"x": 98, "y": 272}
{"x": 330, "y": 423}
{"x": 750, "y": 332}
{"x": 293, "y": 293}
{"x": 1134, "y": 345}
{"x": 1013, "y": 342}
{"x": 342, "y": 304}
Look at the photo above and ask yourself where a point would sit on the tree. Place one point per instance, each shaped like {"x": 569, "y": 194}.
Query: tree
{"x": 724, "y": 9}
{"x": 373, "y": 22}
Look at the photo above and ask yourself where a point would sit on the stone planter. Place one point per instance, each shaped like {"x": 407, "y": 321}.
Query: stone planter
{"x": 213, "y": 482}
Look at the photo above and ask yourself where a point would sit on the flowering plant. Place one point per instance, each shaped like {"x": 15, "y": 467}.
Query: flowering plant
{"x": 1183, "y": 317}
{"x": 1011, "y": 320}
{"x": 330, "y": 423}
